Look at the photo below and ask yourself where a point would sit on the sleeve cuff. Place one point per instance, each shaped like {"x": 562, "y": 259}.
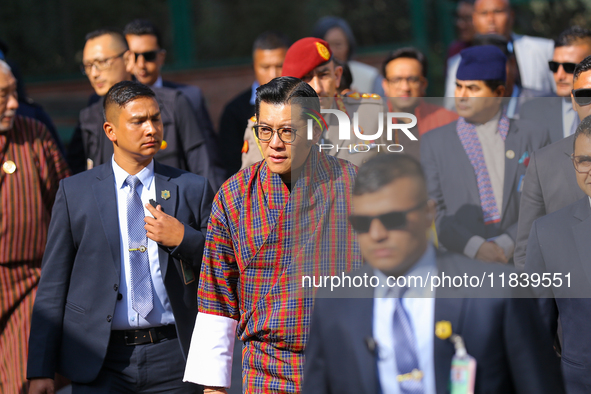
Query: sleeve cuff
{"x": 473, "y": 245}
{"x": 209, "y": 362}
{"x": 506, "y": 243}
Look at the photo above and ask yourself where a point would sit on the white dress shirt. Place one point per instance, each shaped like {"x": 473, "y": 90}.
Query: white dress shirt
{"x": 420, "y": 307}
{"x": 125, "y": 317}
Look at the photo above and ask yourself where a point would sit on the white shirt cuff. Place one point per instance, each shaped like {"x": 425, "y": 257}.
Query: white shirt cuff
{"x": 506, "y": 243}
{"x": 209, "y": 362}
{"x": 473, "y": 245}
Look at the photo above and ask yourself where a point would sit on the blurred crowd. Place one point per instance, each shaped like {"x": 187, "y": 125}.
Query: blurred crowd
{"x": 496, "y": 173}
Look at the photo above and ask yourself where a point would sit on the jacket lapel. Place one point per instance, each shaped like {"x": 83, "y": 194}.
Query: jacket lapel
{"x": 448, "y": 307}
{"x": 511, "y": 165}
{"x": 167, "y": 197}
{"x": 106, "y": 200}
{"x": 581, "y": 233}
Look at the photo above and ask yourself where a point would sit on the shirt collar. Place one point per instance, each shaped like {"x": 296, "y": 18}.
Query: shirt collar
{"x": 146, "y": 175}
{"x": 253, "y": 92}
{"x": 158, "y": 83}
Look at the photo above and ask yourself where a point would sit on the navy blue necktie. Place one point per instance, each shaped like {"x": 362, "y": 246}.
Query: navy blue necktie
{"x": 407, "y": 360}
{"x": 142, "y": 297}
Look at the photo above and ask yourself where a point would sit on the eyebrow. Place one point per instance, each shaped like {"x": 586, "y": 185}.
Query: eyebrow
{"x": 143, "y": 116}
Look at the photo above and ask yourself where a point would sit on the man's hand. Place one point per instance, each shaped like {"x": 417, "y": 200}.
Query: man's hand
{"x": 163, "y": 228}
{"x": 42, "y": 386}
{"x": 491, "y": 252}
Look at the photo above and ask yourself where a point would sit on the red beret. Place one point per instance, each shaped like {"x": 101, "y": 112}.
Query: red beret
{"x": 304, "y": 56}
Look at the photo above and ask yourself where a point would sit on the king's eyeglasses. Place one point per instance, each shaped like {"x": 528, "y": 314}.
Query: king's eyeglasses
{"x": 265, "y": 133}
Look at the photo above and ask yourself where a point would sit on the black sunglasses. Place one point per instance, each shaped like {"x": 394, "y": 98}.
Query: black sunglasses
{"x": 149, "y": 56}
{"x": 582, "y": 96}
{"x": 391, "y": 220}
{"x": 569, "y": 68}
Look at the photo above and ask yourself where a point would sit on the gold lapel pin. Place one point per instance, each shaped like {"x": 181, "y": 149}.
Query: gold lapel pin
{"x": 443, "y": 329}
{"x": 9, "y": 167}
{"x": 510, "y": 154}
{"x": 165, "y": 194}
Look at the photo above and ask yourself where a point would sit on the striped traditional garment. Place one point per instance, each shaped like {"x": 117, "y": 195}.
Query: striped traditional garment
{"x": 260, "y": 241}
{"x": 26, "y": 199}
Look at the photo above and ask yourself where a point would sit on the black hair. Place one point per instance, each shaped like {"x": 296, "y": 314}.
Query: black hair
{"x": 410, "y": 53}
{"x": 140, "y": 27}
{"x": 115, "y": 33}
{"x": 287, "y": 90}
{"x": 493, "y": 84}
{"x": 271, "y": 40}
{"x": 123, "y": 92}
{"x": 326, "y": 23}
{"x": 583, "y": 128}
{"x": 381, "y": 170}
{"x": 572, "y": 36}
{"x": 583, "y": 66}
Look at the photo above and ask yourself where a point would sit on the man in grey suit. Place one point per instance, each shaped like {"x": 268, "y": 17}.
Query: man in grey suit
{"x": 117, "y": 300}
{"x": 559, "y": 247}
{"x": 572, "y": 46}
{"x": 532, "y": 53}
{"x": 474, "y": 166}
{"x": 549, "y": 182}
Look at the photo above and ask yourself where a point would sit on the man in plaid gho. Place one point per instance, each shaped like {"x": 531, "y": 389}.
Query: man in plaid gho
{"x": 270, "y": 223}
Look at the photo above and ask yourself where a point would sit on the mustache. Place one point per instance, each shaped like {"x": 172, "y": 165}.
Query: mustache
{"x": 10, "y": 114}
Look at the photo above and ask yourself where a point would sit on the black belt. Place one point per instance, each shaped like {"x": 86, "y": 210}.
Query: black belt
{"x": 143, "y": 336}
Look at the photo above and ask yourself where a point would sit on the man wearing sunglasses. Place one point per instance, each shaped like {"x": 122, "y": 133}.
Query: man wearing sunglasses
{"x": 390, "y": 339}
{"x": 549, "y": 184}
{"x": 269, "y": 222}
{"x": 148, "y": 56}
{"x": 559, "y": 245}
{"x": 572, "y": 46}
{"x": 474, "y": 166}
{"x": 106, "y": 60}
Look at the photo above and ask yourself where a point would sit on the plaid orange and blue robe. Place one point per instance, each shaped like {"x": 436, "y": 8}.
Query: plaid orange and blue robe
{"x": 260, "y": 240}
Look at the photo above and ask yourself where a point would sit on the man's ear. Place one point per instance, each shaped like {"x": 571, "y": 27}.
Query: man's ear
{"x": 110, "y": 131}
{"x": 129, "y": 61}
{"x": 500, "y": 91}
{"x": 316, "y": 134}
{"x": 338, "y": 72}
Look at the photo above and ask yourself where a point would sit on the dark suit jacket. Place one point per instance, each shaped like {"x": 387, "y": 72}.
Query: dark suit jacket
{"x": 546, "y": 112}
{"x": 451, "y": 182}
{"x": 559, "y": 243}
{"x": 187, "y": 145}
{"x": 550, "y": 184}
{"x": 506, "y": 336}
{"x": 76, "y": 298}
{"x": 233, "y": 122}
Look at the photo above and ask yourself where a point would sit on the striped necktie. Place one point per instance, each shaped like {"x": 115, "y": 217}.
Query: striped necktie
{"x": 405, "y": 349}
{"x": 142, "y": 297}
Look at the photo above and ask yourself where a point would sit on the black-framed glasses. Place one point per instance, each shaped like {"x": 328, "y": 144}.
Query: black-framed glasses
{"x": 265, "y": 133}
{"x": 569, "y": 68}
{"x": 582, "y": 96}
{"x": 582, "y": 163}
{"x": 100, "y": 65}
{"x": 391, "y": 221}
{"x": 149, "y": 56}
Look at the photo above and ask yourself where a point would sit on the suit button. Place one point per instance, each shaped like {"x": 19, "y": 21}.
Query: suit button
{"x": 119, "y": 297}
{"x": 109, "y": 318}
{"x": 115, "y": 287}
